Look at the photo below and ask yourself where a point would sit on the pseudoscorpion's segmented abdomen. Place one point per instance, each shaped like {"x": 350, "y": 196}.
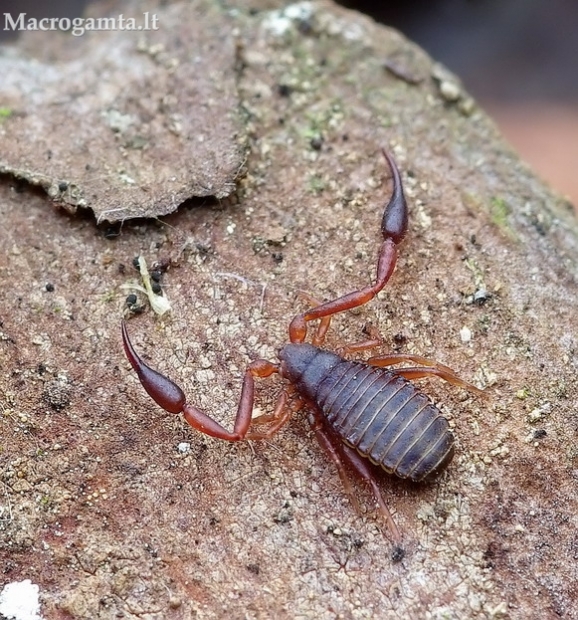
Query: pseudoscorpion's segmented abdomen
{"x": 386, "y": 419}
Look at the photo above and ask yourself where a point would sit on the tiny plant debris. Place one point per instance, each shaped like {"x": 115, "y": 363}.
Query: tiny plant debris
{"x": 159, "y": 303}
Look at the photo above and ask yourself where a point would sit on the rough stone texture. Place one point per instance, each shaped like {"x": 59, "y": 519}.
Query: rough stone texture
{"x": 126, "y": 123}
{"x": 101, "y": 508}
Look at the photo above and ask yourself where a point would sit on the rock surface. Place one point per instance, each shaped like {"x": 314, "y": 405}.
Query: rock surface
{"x": 126, "y": 123}
{"x": 116, "y": 509}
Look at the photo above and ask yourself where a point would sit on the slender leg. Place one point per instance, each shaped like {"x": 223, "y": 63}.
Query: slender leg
{"x": 280, "y": 417}
{"x": 200, "y": 421}
{"x": 339, "y": 452}
{"x": 362, "y": 467}
{"x": 171, "y": 398}
{"x": 280, "y": 408}
{"x": 393, "y": 228}
{"x": 374, "y": 340}
{"x": 328, "y": 444}
{"x": 357, "y": 347}
{"x": 429, "y": 368}
{"x": 319, "y": 335}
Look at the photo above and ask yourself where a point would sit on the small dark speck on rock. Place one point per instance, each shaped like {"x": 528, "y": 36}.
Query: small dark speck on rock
{"x": 316, "y": 143}
{"x": 474, "y": 242}
{"x": 133, "y": 304}
{"x": 49, "y": 287}
{"x": 63, "y": 186}
{"x": 540, "y": 433}
{"x": 253, "y": 568}
{"x": 285, "y": 515}
{"x": 397, "y": 554}
{"x": 112, "y": 231}
{"x": 284, "y": 90}
{"x": 304, "y": 26}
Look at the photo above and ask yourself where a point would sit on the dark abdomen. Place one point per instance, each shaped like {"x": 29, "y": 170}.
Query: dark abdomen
{"x": 383, "y": 416}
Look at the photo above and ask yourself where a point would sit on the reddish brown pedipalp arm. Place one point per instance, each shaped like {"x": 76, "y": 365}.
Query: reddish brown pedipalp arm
{"x": 393, "y": 228}
{"x": 171, "y": 398}
{"x": 161, "y": 389}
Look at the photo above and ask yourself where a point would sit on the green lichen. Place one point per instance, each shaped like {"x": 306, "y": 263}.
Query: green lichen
{"x": 498, "y": 209}
{"x": 499, "y": 214}
{"x": 45, "y": 502}
{"x": 316, "y": 184}
{"x": 477, "y": 271}
{"x": 108, "y": 297}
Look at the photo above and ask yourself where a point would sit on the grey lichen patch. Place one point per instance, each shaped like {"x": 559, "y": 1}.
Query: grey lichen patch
{"x": 118, "y": 121}
{"x": 280, "y": 22}
{"x": 451, "y": 90}
{"x": 153, "y": 130}
{"x": 57, "y": 393}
